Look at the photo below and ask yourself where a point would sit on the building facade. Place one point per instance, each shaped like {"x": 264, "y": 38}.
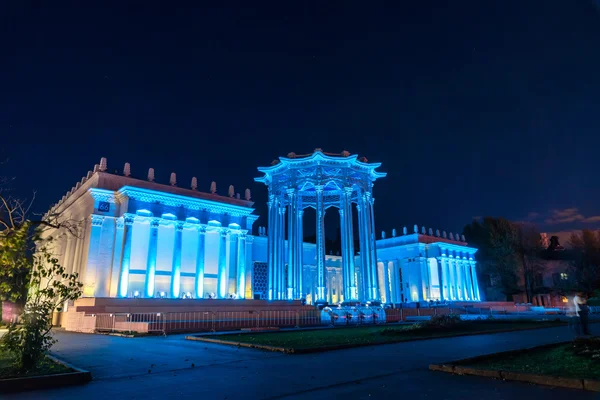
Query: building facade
{"x": 140, "y": 238}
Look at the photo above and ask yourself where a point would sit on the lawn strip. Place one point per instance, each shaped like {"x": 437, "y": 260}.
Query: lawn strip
{"x": 342, "y": 338}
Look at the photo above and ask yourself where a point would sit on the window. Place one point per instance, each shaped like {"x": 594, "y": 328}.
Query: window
{"x": 539, "y": 280}
{"x": 564, "y": 276}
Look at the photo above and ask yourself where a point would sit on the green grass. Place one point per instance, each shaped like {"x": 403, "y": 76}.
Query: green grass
{"x": 556, "y": 361}
{"x": 324, "y": 338}
{"x": 45, "y": 367}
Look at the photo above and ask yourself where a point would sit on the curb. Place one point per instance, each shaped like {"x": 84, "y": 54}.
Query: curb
{"x": 240, "y": 344}
{"x": 78, "y": 377}
{"x": 546, "y": 380}
{"x": 288, "y": 350}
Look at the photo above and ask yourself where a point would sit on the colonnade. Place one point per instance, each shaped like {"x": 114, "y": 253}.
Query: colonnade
{"x": 232, "y": 248}
{"x": 288, "y": 284}
{"x": 458, "y": 278}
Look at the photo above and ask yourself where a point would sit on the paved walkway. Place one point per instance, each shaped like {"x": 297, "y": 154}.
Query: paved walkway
{"x": 161, "y": 368}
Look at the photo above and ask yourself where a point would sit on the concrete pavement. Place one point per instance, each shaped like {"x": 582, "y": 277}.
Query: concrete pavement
{"x": 159, "y": 368}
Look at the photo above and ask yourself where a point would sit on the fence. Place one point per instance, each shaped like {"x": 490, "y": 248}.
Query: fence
{"x": 207, "y": 321}
{"x": 214, "y": 321}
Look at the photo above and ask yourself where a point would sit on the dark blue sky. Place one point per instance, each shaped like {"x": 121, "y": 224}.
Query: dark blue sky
{"x": 474, "y": 108}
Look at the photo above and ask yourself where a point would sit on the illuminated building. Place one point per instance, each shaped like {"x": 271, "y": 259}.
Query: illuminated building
{"x": 140, "y": 238}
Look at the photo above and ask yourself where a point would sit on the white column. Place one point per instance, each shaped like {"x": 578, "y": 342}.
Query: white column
{"x": 67, "y": 262}
{"x": 449, "y": 279}
{"x": 345, "y": 270}
{"x": 365, "y": 276}
{"x": 466, "y": 279}
{"x": 475, "y": 281}
{"x": 281, "y": 254}
{"x": 299, "y": 254}
{"x": 291, "y": 229}
{"x": 272, "y": 246}
{"x": 460, "y": 279}
{"x": 222, "y": 278}
{"x": 425, "y": 281}
{"x": 151, "y": 262}
{"x": 200, "y": 257}
{"x": 233, "y": 261}
{"x": 441, "y": 278}
{"x": 349, "y": 251}
{"x": 91, "y": 271}
{"x": 386, "y": 282}
{"x": 176, "y": 265}
{"x": 126, "y": 256}
{"x": 249, "y": 268}
{"x": 320, "y": 243}
{"x": 375, "y": 290}
{"x": 117, "y": 255}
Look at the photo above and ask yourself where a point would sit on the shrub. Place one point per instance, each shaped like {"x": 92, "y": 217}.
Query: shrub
{"x": 444, "y": 321}
{"x": 401, "y": 330}
{"x": 589, "y": 348}
{"x": 50, "y": 287}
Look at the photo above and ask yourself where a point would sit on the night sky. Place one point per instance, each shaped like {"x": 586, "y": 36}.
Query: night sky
{"x": 474, "y": 108}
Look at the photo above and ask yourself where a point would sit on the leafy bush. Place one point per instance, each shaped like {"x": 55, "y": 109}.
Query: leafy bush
{"x": 444, "y": 321}
{"x": 49, "y": 288}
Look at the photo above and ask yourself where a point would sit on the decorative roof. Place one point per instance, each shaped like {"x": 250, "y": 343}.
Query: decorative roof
{"x": 320, "y": 158}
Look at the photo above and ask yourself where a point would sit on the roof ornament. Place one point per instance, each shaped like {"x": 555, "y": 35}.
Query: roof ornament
{"x": 291, "y": 155}
{"x": 457, "y": 236}
{"x": 451, "y": 236}
{"x": 151, "y": 174}
{"x": 394, "y": 232}
{"x": 318, "y": 149}
{"x": 462, "y": 237}
{"x": 444, "y": 235}
{"x": 404, "y": 231}
{"x": 231, "y": 191}
{"x": 423, "y": 230}
{"x": 247, "y": 195}
{"x": 103, "y": 164}
{"x": 345, "y": 153}
{"x": 363, "y": 159}
{"x": 430, "y": 232}
{"x": 437, "y": 232}
{"x": 194, "y": 183}
{"x": 383, "y": 234}
{"x": 213, "y": 187}
{"x": 127, "y": 169}
{"x": 416, "y": 228}
{"x": 173, "y": 179}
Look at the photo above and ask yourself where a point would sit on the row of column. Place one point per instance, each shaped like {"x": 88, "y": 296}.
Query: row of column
{"x": 121, "y": 260}
{"x": 458, "y": 280}
{"x": 392, "y": 281}
{"x": 294, "y": 288}
{"x": 276, "y": 249}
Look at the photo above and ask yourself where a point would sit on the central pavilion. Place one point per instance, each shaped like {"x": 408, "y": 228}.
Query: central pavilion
{"x": 320, "y": 180}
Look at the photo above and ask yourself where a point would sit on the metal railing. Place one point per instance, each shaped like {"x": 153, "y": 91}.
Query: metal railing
{"x": 205, "y": 321}
{"x": 214, "y": 321}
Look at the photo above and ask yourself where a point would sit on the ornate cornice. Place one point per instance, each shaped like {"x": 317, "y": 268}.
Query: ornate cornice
{"x": 174, "y": 200}
{"x": 103, "y": 195}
